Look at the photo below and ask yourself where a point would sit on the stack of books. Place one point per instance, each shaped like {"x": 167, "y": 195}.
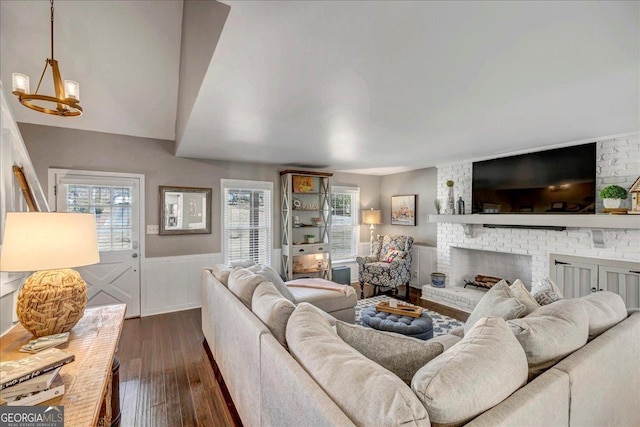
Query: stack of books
{"x": 34, "y": 379}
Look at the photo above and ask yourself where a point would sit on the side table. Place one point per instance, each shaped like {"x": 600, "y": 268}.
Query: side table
{"x": 89, "y": 378}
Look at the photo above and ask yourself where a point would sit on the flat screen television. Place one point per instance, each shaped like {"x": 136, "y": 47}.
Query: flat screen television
{"x": 561, "y": 180}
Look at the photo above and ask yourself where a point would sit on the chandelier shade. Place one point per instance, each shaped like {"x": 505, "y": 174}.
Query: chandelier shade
{"x": 65, "y": 102}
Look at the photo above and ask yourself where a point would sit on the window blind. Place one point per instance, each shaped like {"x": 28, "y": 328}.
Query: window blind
{"x": 247, "y": 220}
{"x": 345, "y": 214}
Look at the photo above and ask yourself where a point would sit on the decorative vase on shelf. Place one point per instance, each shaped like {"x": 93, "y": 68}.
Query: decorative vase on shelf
{"x": 611, "y": 203}
{"x": 451, "y": 206}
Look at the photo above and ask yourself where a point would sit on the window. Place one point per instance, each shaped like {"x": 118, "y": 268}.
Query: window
{"x": 247, "y": 220}
{"x": 345, "y": 214}
{"x": 111, "y": 204}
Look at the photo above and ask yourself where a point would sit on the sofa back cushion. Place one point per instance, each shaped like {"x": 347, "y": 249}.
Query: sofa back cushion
{"x": 551, "y": 332}
{"x": 243, "y": 283}
{"x": 273, "y": 309}
{"x": 221, "y": 272}
{"x": 477, "y": 373}
{"x": 605, "y": 309}
{"x": 272, "y": 276}
{"x": 497, "y": 302}
{"x": 400, "y": 354}
{"x": 367, "y": 393}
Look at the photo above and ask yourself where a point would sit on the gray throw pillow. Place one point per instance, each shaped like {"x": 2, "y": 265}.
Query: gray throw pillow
{"x": 497, "y": 302}
{"x": 272, "y": 276}
{"x": 400, "y": 354}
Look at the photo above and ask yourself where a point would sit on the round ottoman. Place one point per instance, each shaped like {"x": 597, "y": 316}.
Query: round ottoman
{"x": 421, "y": 327}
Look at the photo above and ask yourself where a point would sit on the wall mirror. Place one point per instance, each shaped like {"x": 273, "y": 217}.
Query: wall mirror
{"x": 185, "y": 210}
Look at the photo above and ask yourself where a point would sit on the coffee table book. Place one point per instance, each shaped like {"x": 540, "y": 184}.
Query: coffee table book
{"x": 16, "y": 371}
{"x": 33, "y": 398}
{"x": 39, "y": 383}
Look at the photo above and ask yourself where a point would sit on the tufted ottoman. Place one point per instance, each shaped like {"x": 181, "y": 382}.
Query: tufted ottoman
{"x": 421, "y": 327}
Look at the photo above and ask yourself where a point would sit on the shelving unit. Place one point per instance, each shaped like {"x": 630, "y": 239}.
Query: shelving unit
{"x": 306, "y": 224}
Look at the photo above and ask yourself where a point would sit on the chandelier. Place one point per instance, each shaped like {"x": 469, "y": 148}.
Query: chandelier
{"x": 64, "y": 103}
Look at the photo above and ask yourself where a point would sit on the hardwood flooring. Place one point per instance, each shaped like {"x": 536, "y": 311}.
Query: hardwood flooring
{"x": 165, "y": 375}
{"x": 166, "y": 378}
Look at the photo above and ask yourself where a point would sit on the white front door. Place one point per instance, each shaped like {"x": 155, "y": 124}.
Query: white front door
{"x": 114, "y": 199}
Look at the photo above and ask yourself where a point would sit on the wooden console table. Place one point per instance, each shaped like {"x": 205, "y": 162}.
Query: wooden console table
{"x": 88, "y": 384}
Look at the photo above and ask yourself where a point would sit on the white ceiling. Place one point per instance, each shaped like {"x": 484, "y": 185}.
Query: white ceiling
{"x": 373, "y": 87}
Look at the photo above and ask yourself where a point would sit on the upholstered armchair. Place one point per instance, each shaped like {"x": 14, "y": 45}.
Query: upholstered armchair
{"x": 389, "y": 266}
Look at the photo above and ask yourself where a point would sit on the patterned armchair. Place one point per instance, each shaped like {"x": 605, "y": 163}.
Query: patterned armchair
{"x": 389, "y": 266}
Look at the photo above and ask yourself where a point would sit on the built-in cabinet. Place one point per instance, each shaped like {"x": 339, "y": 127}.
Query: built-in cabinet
{"x": 306, "y": 224}
{"x": 579, "y": 276}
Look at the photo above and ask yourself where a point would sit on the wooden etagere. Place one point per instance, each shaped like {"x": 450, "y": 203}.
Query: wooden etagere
{"x": 306, "y": 224}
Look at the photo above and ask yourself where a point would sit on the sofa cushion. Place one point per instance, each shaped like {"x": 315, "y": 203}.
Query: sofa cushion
{"x": 605, "y": 309}
{"x": 272, "y": 276}
{"x": 497, "y": 302}
{"x": 520, "y": 291}
{"x": 273, "y": 309}
{"x": 243, "y": 283}
{"x": 369, "y": 394}
{"x": 221, "y": 272}
{"x": 551, "y": 332}
{"x": 400, "y": 354}
{"x": 545, "y": 291}
{"x": 477, "y": 373}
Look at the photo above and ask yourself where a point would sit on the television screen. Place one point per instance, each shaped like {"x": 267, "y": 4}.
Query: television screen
{"x": 562, "y": 180}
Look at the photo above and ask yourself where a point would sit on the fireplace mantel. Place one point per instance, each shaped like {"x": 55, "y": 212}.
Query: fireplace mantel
{"x": 595, "y": 222}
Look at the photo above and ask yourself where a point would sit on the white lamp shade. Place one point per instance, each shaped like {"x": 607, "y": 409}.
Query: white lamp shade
{"x": 72, "y": 90}
{"x": 48, "y": 241}
{"x": 372, "y": 216}
{"x": 20, "y": 82}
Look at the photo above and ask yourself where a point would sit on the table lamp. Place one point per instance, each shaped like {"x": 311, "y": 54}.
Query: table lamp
{"x": 52, "y": 299}
{"x": 372, "y": 217}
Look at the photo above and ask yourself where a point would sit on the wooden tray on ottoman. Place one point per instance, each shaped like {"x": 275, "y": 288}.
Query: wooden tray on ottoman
{"x": 402, "y": 309}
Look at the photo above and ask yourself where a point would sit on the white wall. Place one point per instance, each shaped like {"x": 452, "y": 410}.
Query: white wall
{"x": 618, "y": 161}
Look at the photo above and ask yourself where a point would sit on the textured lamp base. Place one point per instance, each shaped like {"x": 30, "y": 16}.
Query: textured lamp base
{"x": 52, "y": 301}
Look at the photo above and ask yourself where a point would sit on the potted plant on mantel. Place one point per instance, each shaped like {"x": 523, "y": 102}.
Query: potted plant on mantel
{"x": 611, "y": 196}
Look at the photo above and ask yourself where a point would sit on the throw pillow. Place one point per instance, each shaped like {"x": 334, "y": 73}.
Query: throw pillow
{"x": 545, "y": 291}
{"x": 551, "y": 332}
{"x": 392, "y": 255}
{"x": 242, "y": 283}
{"x": 497, "y": 302}
{"x": 272, "y": 276}
{"x": 520, "y": 291}
{"x": 605, "y": 309}
{"x": 366, "y": 392}
{"x": 400, "y": 354}
{"x": 477, "y": 373}
{"x": 273, "y": 309}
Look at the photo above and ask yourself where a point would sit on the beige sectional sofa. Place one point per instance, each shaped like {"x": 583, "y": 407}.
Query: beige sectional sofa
{"x": 321, "y": 380}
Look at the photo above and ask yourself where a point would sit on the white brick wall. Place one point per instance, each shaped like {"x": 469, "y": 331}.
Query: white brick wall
{"x": 618, "y": 162}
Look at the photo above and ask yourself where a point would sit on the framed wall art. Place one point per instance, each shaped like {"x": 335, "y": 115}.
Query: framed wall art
{"x": 404, "y": 209}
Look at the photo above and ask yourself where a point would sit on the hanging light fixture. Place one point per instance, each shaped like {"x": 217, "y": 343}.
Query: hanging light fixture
{"x": 67, "y": 96}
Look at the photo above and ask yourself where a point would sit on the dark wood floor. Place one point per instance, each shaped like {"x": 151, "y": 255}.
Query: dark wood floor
{"x": 165, "y": 375}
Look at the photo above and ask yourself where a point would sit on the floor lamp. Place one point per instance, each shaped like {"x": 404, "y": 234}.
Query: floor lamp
{"x": 372, "y": 217}
{"x": 52, "y": 299}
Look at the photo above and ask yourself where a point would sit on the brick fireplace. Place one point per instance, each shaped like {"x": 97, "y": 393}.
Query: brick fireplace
{"x": 618, "y": 162}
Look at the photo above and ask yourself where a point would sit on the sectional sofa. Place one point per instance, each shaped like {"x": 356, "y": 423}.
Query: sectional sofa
{"x": 307, "y": 369}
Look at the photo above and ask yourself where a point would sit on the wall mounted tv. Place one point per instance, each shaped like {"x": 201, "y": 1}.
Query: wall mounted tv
{"x": 555, "y": 181}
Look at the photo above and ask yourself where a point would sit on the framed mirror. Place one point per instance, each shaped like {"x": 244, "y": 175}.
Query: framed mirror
{"x": 185, "y": 210}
